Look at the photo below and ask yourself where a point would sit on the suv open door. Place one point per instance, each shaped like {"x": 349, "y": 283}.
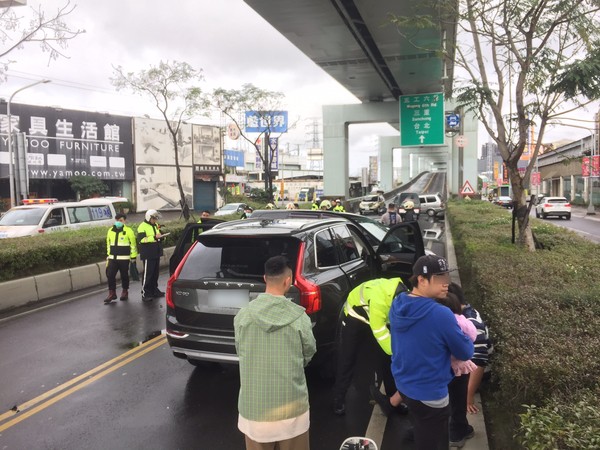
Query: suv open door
{"x": 399, "y": 249}
{"x": 187, "y": 239}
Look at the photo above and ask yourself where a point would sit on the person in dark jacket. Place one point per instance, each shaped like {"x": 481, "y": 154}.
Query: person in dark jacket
{"x": 410, "y": 215}
{"x": 121, "y": 248}
{"x": 150, "y": 248}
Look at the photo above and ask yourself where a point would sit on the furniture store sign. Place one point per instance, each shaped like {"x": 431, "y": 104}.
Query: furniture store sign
{"x": 63, "y": 143}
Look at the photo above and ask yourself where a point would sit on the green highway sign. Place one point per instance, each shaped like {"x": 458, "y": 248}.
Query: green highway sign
{"x": 422, "y": 119}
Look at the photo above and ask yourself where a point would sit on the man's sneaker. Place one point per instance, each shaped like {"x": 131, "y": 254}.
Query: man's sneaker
{"x": 382, "y": 400}
{"x": 147, "y": 299}
{"x": 339, "y": 407}
{"x": 158, "y": 293}
{"x": 460, "y": 443}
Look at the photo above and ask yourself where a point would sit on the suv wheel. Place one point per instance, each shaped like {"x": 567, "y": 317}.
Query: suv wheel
{"x": 430, "y": 212}
{"x": 544, "y": 215}
{"x": 568, "y": 216}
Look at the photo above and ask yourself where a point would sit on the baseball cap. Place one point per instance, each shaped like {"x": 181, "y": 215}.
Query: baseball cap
{"x": 430, "y": 265}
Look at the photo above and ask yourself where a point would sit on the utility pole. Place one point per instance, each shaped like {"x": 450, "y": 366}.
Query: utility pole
{"x": 11, "y": 174}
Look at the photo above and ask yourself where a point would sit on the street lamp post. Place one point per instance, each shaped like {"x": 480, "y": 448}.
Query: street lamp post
{"x": 11, "y": 174}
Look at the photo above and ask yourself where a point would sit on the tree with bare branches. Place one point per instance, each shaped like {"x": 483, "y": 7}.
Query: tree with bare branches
{"x": 22, "y": 26}
{"x": 173, "y": 87}
{"x": 233, "y": 103}
{"x": 527, "y": 62}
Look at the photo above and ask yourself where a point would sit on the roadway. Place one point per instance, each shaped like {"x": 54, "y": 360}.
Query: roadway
{"x": 587, "y": 226}
{"x": 83, "y": 374}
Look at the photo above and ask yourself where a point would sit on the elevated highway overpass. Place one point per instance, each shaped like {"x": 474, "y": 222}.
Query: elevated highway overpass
{"x": 353, "y": 41}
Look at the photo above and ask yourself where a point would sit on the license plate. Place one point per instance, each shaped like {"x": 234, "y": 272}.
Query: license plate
{"x": 228, "y": 298}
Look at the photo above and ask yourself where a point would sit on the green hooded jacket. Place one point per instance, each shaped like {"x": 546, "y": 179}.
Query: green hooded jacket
{"x": 274, "y": 341}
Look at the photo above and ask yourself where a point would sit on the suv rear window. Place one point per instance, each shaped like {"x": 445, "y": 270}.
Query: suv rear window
{"x": 236, "y": 257}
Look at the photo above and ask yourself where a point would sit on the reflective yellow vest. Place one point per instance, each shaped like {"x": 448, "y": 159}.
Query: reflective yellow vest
{"x": 120, "y": 243}
{"x": 370, "y": 302}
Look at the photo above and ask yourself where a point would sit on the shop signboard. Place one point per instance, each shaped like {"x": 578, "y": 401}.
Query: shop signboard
{"x": 63, "y": 143}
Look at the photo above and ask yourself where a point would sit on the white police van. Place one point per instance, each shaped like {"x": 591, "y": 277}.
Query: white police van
{"x": 38, "y": 216}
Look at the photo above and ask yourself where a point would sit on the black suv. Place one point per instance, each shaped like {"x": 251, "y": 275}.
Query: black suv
{"x": 224, "y": 270}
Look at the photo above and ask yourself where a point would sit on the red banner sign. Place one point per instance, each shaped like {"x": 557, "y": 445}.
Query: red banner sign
{"x": 595, "y": 166}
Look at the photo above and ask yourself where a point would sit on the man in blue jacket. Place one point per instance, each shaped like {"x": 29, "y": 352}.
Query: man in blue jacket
{"x": 424, "y": 335}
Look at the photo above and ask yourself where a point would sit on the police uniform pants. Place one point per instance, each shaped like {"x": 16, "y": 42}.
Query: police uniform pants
{"x": 355, "y": 334}
{"x": 114, "y": 266}
{"x": 150, "y": 281}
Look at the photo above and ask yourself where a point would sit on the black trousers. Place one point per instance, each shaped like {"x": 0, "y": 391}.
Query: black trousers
{"x": 355, "y": 334}
{"x": 150, "y": 280}
{"x": 430, "y": 425}
{"x": 114, "y": 266}
{"x": 457, "y": 390}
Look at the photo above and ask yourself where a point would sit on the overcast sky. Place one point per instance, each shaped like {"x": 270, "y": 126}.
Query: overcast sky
{"x": 226, "y": 39}
{"x": 231, "y": 43}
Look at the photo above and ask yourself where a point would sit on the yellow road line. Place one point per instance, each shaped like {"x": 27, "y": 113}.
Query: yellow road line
{"x": 130, "y": 355}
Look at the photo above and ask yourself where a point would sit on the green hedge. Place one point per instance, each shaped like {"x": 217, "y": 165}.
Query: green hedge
{"x": 543, "y": 309}
{"x": 23, "y": 257}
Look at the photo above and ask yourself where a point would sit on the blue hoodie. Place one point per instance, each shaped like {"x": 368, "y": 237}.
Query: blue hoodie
{"x": 424, "y": 335}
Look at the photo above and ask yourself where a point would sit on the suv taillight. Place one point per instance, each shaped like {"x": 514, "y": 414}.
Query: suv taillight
{"x": 168, "y": 294}
{"x": 310, "y": 293}
{"x": 568, "y": 205}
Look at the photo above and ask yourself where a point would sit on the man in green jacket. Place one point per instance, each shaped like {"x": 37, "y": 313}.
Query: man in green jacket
{"x": 367, "y": 311}
{"x": 274, "y": 342}
{"x": 121, "y": 248}
{"x": 150, "y": 248}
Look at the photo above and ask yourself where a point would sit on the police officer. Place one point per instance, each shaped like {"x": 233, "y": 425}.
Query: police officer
{"x": 338, "y": 206}
{"x": 366, "y": 317}
{"x": 150, "y": 248}
{"x": 121, "y": 248}
{"x": 325, "y": 205}
{"x": 410, "y": 215}
{"x": 315, "y": 204}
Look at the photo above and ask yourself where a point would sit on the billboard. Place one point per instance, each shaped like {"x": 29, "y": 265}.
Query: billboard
{"x": 207, "y": 149}
{"x": 266, "y": 121}
{"x": 154, "y": 143}
{"x": 63, "y": 143}
{"x": 156, "y": 187}
{"x": 273, "y": 153}
{"x": 233, "y": 158}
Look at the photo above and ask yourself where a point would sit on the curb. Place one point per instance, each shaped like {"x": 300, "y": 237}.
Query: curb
{"x": 30, "y": 290}
{"x": 477, "y": 421}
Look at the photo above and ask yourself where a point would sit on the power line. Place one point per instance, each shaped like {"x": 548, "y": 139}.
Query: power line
{"x": 65, "y": 83}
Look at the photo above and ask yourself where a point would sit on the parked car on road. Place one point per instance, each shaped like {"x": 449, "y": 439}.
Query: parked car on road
{"x": 504, "y": 201}
{"x": 38, "y": 216}
{"x": 432, "y": 204}
{"x": 372, "y": 204}
{"x": 230, "y": 208}
{"x": 224, "y": 270}
{"x": 553, "y": 206}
